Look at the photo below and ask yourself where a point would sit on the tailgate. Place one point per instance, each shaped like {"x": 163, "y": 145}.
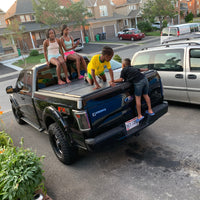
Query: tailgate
{"x": 110, "y": 107}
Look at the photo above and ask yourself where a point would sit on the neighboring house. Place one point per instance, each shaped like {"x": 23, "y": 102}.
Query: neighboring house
{"x": 103, "y": 19}
{"x": 193, "y": 6}
{"x": 7, "y": 47}
{"x": 130, "y": 10}
{"x": 34, "y": 33}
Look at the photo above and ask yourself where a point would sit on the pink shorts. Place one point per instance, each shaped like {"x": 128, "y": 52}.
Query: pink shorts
{"x": 68, "y": 53}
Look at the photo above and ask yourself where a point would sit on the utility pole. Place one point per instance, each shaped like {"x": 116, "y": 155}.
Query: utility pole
{"x": 179, "y": 10}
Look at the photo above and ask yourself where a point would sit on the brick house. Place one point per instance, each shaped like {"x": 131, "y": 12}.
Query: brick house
{"x": 7, "y": 47}
{"x": 34, "y": 33}
{"x": 130, "y": 12}
{"x": 103, "y": 19}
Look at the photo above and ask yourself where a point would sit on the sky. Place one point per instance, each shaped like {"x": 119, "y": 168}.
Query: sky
{"x": 6, "y": 4}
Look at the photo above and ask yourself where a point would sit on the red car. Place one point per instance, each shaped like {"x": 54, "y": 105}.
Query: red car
{"x": 132, "y": 35}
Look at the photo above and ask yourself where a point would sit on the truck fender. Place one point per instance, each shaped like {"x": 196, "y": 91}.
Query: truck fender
{"x": 14, "y": 102}
{"x": 51, "y": 115}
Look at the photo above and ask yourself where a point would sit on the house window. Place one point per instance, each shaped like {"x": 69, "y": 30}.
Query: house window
{"x": 89, "y": 10}
{"x": 28, "y": 19}
{"x": 132, "y": 7}
{"x": 32, "y": 18}
{"x": 37, "y": 36}
{"x": 126, "y": 22}
{"x": 103, "y": 11}
{"x": 22, "y": 18}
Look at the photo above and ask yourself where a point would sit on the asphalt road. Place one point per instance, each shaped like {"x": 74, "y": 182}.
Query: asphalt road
{"x": 163, "y": 163}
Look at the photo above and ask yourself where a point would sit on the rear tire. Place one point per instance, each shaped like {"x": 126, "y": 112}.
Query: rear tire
{"x": 65, "y": 152}
{"x": 120, "y": 38}
{"x": 17, "y": 115}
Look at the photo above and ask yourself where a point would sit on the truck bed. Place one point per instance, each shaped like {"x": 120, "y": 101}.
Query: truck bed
{"x": 79, "y": 88}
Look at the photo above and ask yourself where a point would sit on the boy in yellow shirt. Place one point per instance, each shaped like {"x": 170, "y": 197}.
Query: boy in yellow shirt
{"x": 97, "y": 66}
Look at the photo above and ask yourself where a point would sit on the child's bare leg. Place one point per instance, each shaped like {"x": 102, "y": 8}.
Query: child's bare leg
{"x": 64, "y": 66}
{"x": 83, "y": 62}
{"x": 90, "y": 81}
{"x": 103, "y": 77}
{"x": 148, "y": 101}
{"x": 138, "y": 106}
{"x": 56, "y": 62}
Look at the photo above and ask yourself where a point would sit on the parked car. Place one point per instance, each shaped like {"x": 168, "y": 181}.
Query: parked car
{"x": 75, "y": 115}
{"x": 132, "y": 35}
{"x": 125, "y": 30}
{"x": 179, "y": 68}
{"x": 156, "y": 25}
{"x": 80, "y": 45}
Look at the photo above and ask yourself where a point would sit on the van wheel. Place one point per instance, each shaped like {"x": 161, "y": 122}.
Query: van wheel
{"x": 120, "y": 38}
{"x": 66, "y": 152}
{"x": 132, "y": 39}
{"x": 17, "y": 115}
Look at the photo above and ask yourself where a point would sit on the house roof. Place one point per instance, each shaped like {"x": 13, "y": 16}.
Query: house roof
{"x": 104, "y": 19}
{"x": 133, "y": 1}
{"x": 29, "y": 27}
{"x": 1, "y": 11}
{"x": 20, "y": 7}
{"x": 134, "y": 13}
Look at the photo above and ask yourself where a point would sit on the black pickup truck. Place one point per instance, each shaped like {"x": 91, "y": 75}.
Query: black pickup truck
{"x": 75, "y": 115}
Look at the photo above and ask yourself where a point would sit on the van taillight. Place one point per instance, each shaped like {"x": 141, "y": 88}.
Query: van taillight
{"x": 178, "y": 33}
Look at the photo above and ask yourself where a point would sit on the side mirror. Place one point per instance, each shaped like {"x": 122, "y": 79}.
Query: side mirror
{"x": 9, "y": 90}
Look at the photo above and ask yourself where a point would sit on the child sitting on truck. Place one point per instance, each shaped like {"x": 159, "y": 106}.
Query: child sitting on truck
{"x": 140, "y": 83}
{"x": 97, "y": 66}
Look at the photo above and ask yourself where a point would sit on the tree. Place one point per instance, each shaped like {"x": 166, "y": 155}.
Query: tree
{"x": 160, "y": 9}
{"x": 15, "y": 31}
{"x": 189, "y": 17}
{"x": 51, "y": 13}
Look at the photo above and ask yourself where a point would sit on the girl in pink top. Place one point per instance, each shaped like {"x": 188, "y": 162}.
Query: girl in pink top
{"x": 68, "y": 46}
{"x": 52, "y": 48}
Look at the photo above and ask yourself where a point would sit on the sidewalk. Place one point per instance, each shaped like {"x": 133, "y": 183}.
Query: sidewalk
{"x": 8, "y": 63}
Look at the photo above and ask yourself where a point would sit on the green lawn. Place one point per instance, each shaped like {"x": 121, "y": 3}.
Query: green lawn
{"x": 154, "y": 33}
{"x": 30, "y": 61}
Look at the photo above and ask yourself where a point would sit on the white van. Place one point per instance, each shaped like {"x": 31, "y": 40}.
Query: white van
{"x": 178, "y": 31}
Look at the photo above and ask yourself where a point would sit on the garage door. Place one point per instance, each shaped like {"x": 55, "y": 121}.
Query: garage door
{"x": 110, "y": 31}
{"x": 75, "y": 34}
{"x": 97, "y": 30}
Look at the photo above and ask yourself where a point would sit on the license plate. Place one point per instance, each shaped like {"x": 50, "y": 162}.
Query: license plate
{"x": 131, "y": 124}
{"x": 140, "y": 34}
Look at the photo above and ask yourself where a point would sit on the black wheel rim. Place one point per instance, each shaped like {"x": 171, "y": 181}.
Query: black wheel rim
{"x": 56, "y": 145}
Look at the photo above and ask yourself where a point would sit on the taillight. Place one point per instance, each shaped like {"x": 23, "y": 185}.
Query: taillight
{"x": 82, "y": 120}
{"x": 178, "y": 33}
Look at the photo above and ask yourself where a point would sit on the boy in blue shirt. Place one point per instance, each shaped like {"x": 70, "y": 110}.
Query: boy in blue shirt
{"x": 140, "y": 83}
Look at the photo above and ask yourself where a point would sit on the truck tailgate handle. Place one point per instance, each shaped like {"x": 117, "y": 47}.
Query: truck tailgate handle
{"x": 179, "y": 76}
{"x": 192, "y": 76}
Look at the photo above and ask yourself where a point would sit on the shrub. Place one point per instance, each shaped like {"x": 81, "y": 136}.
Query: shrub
{"x": 164, "y": 23}
{"x": 5, "y": 139}
{"x": 117, "y": 58}
{"x": 144, "y": 26}
{"x": 189, "y": 17}
{"x": 20, "y": 173}
{"x": 34, "y": 53}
